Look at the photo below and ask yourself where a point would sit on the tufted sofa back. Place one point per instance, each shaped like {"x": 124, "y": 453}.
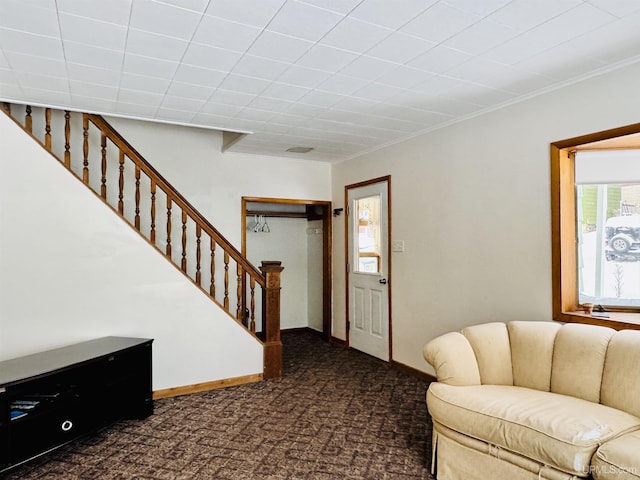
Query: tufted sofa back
{"x": 594, "y": 363}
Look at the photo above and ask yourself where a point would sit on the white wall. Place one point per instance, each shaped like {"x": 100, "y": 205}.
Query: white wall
{"x": 315, "y": 275}
{"x": 93, "y": 276}
{"x": 472, "y": 203}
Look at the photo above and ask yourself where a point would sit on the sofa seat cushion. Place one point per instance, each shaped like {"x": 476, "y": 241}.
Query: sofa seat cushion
{"x": 618, "y": 459}
{"x": 556, "y": 430}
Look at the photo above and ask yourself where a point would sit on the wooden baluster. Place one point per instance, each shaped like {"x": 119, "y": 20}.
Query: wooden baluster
{"x": 28, "y": 120}
{"x": 212, "y": 287}
{"x": 226, "y": 281}
{"x": 168, "y": 251}
{"x": 85, "y": 148}
{"x": 152, "y": 234}
{"x": 67, "y": 136}
{"x": 47, "y": 128}
{"x": 183, "y": 264}
{"x": 121, "y": 184}
{"x": 103, "y": 167}
{"x": 239, "y": 310}
{"x": 6, "y": 107}
{"x": 198, "y": 255}
{"x": 252, "y": 313}
{"x": 137, "y": 217}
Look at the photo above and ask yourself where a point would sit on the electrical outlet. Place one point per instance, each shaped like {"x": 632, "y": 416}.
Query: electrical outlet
{"x": 397, "y": 246}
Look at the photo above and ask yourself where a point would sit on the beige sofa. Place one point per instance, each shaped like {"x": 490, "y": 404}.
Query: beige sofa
{"x": 535, "y": 400}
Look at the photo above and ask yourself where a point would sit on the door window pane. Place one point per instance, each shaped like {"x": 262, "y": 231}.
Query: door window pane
{"x": 368, "y": 247}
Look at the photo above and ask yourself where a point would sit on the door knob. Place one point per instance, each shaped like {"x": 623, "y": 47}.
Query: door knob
{"x": 383, "y": 281}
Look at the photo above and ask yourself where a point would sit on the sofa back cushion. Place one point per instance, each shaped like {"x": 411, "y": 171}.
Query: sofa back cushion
{"x": 578, "y": 360}
{"x": 532, "y": 353}
{"x": 490, "y": 343}
{"x": 621, "y": 376}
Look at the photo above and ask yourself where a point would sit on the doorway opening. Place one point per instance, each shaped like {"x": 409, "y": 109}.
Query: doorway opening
{"x": 298, "y": 232}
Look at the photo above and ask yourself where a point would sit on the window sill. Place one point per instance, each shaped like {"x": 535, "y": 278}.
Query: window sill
{"x": 617, "y": 320}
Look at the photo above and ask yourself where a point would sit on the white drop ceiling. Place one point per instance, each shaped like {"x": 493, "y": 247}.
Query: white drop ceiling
{"x": 342, "y": 76}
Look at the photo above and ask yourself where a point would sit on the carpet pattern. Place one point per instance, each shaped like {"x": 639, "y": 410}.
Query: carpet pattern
{"x": 336, "y": 413}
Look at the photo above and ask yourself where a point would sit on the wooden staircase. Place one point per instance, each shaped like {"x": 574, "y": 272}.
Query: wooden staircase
{"x": 92, "y": 150}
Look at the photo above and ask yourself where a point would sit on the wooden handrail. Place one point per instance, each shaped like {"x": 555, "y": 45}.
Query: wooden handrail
{"x": 163, "y": 184}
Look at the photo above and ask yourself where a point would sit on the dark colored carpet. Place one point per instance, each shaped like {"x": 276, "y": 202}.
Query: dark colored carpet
{"x": 336, "y": 413}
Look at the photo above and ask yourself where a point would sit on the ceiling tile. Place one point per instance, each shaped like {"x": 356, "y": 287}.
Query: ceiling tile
{"x": 342, "y": 84}
{"x": 42, "y": 82}
{"x": 561, "y": 62}
{"x": 92, "y": 32}
{"x": 144, "y": 83}
{"x": 259, "y": 67}
{"x": 182, "y": 103}
{"x": 199, "y": 76}
{"x": 339, "y": 6}
{"x": 189, "y": 90}
{"x": 483, "y": 8}
{"x": 279, "y": 47}
{"x": 221, "y": 109}
{"x": 283, "y": 91}
{"x": 112, "y": 11}
{"x": 21, "y": 42}
{"x": 164, "y": 19}
{"x": 136, "y": 110}
{"x": 93, "y": 90}
{"x": 525, "y": 14}
{"x": 256, "y": 114}
{"x": 248, "y": 12}
{"x": 304, "y": 21}
{"x": 92, "y": 104}
{"x": 85, "y": 73}
{"x": 84, "y": 54}
{"x": 156, "y": 46}
{"x": 390, "y": 14}
{"x": 194, "y": 5}
{"x": 571, "y": 24}
{"x": 227, "y": 97}
{"x": 440, "y": 22}
{"x": 139, "y": 97}
{"x": 377, "y": 92}
{"x": 47, "y": 97}
{"x": 3, "y": 60}
{"x": 224, "y": 34}
{"x": 243, "y": 84}
{"x": 400, "y": 48}
{"x": 439, "y": 59}
{"x": 482, "y": 36}
{"x": 37, "y": 65}
{"x": 27, "y": 18}
{"x": 326, "y": 58}
{"x": 321, "y": 99}
{"x": 355, "y": 35}
{"x": 205, "y": 56}
{"x": 270, "y": 104}
{"x": 404, "y": 77}
{"x": 211, "y": 120}
{"x": 7, "y": 76}
{"x": 174, "y": 114}
{"x": 152, "y": 67}
{"x": 303, "y": 77}
{"x": 619, "y": 8}
{"x": 368, "y": 68}
{"x": 11, "y": 91}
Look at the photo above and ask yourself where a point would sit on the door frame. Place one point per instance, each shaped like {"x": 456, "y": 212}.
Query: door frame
{"x": 327, "y": 285}
{"x": 386, "y": 178}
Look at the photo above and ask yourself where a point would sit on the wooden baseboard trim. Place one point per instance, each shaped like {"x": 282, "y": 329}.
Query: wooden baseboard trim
{"x": 338, "y": 341}
{"x": 413, "y": 372}
{"x": 205, "y": 387}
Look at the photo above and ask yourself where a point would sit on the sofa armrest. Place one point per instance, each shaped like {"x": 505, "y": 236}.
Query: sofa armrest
{"x": 452, "y": 357}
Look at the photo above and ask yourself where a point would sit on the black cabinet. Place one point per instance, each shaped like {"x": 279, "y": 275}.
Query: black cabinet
{"x": 53, "y": 397}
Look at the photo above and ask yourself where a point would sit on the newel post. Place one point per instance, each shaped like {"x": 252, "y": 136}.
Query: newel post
{"x": 271, "y": 319}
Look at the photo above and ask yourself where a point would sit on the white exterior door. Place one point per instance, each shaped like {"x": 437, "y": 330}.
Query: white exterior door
{"x": 368, "y": 265}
